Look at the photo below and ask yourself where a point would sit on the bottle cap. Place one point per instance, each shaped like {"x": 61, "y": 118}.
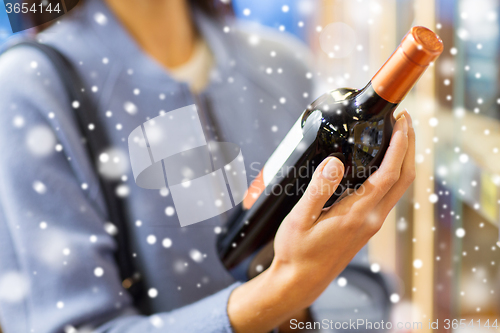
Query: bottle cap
{"x": 422, "y": 46}
{"x": 418, "y": 49}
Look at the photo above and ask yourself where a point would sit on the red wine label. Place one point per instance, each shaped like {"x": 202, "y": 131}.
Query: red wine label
{"x": 274, "y": 164}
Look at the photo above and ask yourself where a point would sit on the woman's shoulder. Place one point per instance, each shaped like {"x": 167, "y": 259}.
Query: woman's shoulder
{"x": 25, "y": 73}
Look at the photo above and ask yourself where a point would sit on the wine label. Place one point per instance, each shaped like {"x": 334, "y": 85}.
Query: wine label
{"x": 274, "y": 164}
{"x": 283, "y": 152}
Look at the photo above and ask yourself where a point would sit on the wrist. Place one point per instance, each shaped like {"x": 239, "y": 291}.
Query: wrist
{"x": 266, "y": 301}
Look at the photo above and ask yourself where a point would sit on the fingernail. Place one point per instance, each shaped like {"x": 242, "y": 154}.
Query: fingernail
{"x": 408, "y": 119}
{"x": 405, "y": 124}
{"x": 333, "y": 169}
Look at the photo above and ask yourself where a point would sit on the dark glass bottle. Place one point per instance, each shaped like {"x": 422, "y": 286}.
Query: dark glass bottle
{"x": 353, "y": 125}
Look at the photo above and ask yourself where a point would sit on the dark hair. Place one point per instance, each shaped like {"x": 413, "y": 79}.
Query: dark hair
{"x": 213, "y": 8}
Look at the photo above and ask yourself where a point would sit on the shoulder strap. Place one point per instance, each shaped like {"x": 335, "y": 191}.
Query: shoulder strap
{"x": 85, "y": 114}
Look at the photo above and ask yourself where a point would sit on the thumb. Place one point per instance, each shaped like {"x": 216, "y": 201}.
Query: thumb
{"x": 324, "y": 183}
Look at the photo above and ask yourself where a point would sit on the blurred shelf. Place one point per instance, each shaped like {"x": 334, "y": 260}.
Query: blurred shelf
{"x": 476, "y": 163}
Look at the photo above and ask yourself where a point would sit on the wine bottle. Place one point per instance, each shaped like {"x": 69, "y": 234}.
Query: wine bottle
{"x": 353, "y": 125}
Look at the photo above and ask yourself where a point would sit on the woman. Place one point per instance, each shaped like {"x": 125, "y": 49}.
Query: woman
{"x": 138, "y": 59}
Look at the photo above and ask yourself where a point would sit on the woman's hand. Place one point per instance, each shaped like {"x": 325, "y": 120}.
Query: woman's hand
{"x": 313, "y": 246}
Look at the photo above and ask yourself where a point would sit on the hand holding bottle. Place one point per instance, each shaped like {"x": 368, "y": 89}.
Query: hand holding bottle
{"x": 313, "y": 246}
{"x": 354, "y": 125}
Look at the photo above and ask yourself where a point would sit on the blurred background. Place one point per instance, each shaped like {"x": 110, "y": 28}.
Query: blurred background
{"x": 441, "y": 241}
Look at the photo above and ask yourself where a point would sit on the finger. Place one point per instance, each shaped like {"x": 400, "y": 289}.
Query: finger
{"x": 324, "y": 183}
{"x": 381, "y": 181}
{"x": 407, "y": 175}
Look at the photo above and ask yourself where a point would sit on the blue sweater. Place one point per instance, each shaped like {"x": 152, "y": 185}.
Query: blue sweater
{"x": 57, "y": 269}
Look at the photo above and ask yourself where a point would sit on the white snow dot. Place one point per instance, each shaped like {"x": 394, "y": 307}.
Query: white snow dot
{"x": 119, "y": 126}
{"x": 274, "y": 128}
{"x": 70, "y": 329}
{"x": 130, "y": 107}
{"x": 246, "y": 12}
{"x": 105, "y": 60}
{"x": 433, "y": 122}
{"x": 104, "y": 158}
{"x": 254, "y": 39}
{"x": 84, "y": 186}
{"x": 113, "y": 163}
{"x": 453, "y": 51}
{"x": 39, "y": 187}
{"x": 66, "y": 252}
{"x": 342, "y": 282}
{"x": 151, "y": 239}
{"x": 463, "y": 158}
{"x": 60, "y": 305}
{"x": 100, "y": 18}
{"x": 138, "y": 223}
{"x": 122, "y": 190}
{"x": 217, "y": 230}
{"x": 40, "y": 140}
{"x": 167, "y": 242}
{"x": 136, "y": 91}
{"x": 93, "y": 238}
{"x": 164, "y": 192}
{"x": 34, "y": 64}
{"x": 196, "y": 255}
{"x": 375, "y": 268}
{"x": 282, "y": 100}
{"x": 43, "y": 225}
{"x": 110, "y": 228}
{"x": 95, "y": 89}
{"x": 14, "y": 286}
{"x": 169, "y": 211}
{"x": 98, "y": 271}
{"x": 156, "y": 321}
{"x": 152, "y": 292}
{"x": 91, "y": 127}
{"x": 418, "y": 263}
{"x": 309, "y": 75}
{"x": 460, "y": 232}
{"x": 18, "y": 121}
{"x": 109, "y": 114}
{"x": 395, "y": 298}
{"x": 75, "y": 104}
{"x": 433, "y": 198}
{"x": 285, "y": 8}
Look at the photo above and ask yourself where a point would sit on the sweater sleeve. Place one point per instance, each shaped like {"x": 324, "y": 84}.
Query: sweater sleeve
{"x": 57, "y": 270}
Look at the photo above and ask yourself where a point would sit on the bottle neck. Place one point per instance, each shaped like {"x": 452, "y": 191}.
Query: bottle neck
{"x": 371, "y": 102}
{"x": 396, "y": 77}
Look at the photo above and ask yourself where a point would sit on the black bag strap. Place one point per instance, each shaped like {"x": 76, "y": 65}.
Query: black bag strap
{"x": 85, "y": 114}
